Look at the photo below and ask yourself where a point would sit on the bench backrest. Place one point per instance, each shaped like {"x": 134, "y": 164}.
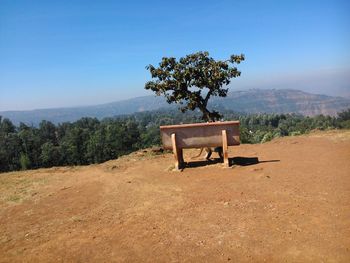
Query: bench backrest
{"x": 198, "y": 135}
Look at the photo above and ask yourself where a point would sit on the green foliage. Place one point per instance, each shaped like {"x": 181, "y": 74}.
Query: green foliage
{"x": 49, "y": 155}
{"x": 6, "y": 126}
{"x": 24, "y": 161}
{"x": 267, "y": 137}
{"x": 344, "y": 115}
{"x": 193, "y": 79}
{"x": 150, "y": 136}
{"x": 30, "y": 144}
{"x": 47, "y": 132}
{"x": 344, "y": 119}
{"x": 10, "y": 146}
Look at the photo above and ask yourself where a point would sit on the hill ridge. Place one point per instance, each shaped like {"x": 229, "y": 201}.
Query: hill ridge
{"x": 245, "y": 101}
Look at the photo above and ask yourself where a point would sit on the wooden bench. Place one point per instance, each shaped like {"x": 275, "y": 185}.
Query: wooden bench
{"x": 199, "y": 135}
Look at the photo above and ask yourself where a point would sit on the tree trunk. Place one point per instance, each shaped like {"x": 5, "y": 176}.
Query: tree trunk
{"x": 207, "y": 115}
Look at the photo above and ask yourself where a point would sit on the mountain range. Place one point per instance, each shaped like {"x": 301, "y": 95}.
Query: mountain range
{"x": 248, "y": 101}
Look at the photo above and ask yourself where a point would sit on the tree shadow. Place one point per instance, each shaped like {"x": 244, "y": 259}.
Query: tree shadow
{"x": 239, "y": 160}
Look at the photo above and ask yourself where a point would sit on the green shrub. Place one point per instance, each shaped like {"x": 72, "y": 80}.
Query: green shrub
{"x": 24, "y": 161}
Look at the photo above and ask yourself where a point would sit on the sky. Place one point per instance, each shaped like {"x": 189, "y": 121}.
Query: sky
{"x": 72, "y": 53}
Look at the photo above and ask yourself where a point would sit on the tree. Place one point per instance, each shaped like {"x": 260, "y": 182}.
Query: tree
{"x": 6, "y": 126}
{"x": 49, "y": 154}
{"x": 193, "y": 79}
{"x": 96, "y": 147}
{"x": 24, "y": 161}
{"x": 47, "y": 132}
{"x": 344, "y": 115}
{"x": 344, "y": 119}
{"x": 31, "y": 145}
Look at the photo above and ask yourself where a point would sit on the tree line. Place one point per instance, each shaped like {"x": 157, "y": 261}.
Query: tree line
{"x": 90, "y": 140}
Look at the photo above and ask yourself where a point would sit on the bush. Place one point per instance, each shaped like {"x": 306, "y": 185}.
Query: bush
{"x": 24, "y": 161}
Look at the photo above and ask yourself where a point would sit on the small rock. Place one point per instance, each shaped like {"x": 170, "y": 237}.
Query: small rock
{"x": 157, "y": 150}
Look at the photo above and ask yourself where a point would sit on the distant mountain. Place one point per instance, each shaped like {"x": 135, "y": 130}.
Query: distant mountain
{"x": 59, "y": 115}
{"x": 283, "y": 101}
{"x": 250, "y": 101}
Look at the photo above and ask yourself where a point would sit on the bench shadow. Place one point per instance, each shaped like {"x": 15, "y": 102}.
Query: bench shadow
{"x": 245, "y": 161}
{"x": 194, "y": 164}
{"x": 239, "y": 160}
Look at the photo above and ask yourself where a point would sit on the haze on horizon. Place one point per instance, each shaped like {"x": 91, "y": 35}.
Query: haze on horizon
{"x": 71, "y": 53}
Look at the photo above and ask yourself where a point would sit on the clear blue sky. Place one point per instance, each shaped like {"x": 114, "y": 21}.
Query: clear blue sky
{"x": 68, "y": 53}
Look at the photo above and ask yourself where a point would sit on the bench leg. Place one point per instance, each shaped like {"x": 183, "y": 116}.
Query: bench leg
{"x": 177, "y": 153}
{"x": 181, "y": 156}
{"x": 225, "y": 148}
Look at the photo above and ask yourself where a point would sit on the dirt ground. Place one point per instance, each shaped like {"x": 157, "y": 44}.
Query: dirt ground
{"x": 283, "y": 201}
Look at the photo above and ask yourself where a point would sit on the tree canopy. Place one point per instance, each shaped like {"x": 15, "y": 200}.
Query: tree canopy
{"x": 193, "y": 79}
